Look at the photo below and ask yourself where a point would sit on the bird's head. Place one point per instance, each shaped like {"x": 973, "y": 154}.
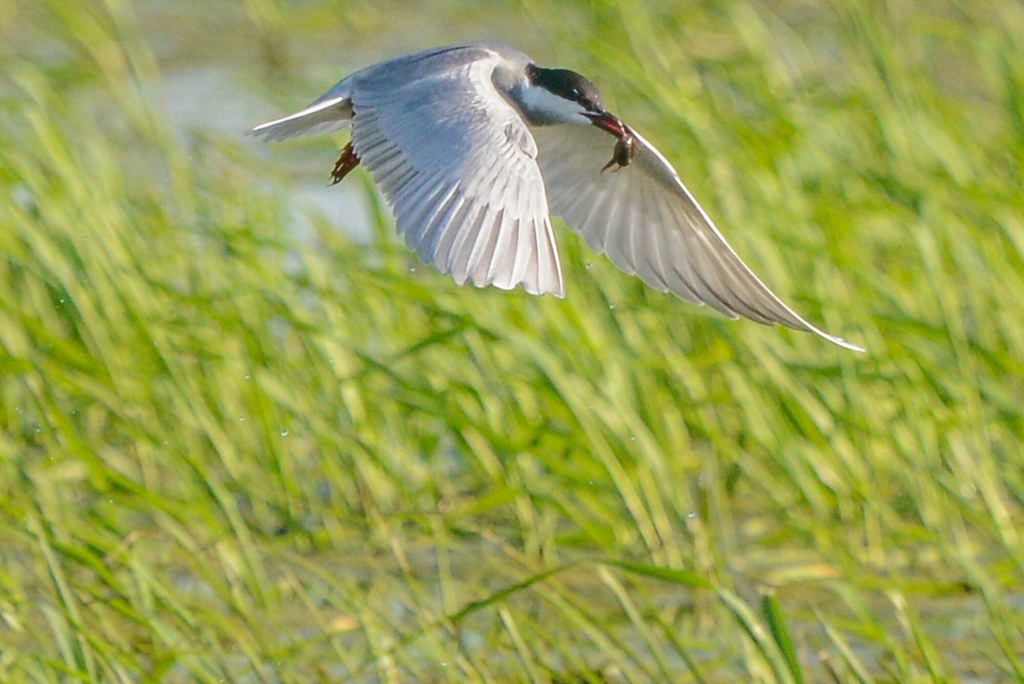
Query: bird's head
{"x": 561, "y": 96}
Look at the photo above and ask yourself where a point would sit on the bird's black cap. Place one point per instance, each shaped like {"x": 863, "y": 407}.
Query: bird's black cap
{"x": 567, "y": 84}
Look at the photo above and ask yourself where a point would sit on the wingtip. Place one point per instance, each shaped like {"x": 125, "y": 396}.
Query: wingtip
{"x": 274, "y": 131}
{"x": 852, "y": 347}
{"x": 838, "y": 341}
{"x": 261, "y": 131}
{"x": 323, "y": 116}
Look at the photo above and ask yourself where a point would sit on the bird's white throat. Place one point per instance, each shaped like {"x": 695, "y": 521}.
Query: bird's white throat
{"x": 543, "y": 108}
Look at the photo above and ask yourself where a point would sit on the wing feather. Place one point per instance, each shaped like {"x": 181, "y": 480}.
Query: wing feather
{"x": 463, "y": 183}
{"x": 322, "y": 116}
{"x": 645, "y": 220}
{"x": 648, "y": 265}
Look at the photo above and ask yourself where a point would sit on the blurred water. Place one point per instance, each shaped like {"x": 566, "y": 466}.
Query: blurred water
{"x": 211, "y": 98}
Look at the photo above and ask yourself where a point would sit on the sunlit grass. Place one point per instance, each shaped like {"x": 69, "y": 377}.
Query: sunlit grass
{"x": 233, "y": 453}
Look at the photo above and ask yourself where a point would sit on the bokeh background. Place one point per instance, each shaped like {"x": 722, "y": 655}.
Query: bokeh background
{"x": 247, "y": 437}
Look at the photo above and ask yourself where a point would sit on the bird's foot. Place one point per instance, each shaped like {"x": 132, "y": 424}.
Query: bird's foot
{"x": 346, "y": 162}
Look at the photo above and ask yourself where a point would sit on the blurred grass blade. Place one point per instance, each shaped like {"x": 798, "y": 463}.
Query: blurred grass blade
{"x": 499, "y": 596}
{"x": 850, "y": 659}
{"x": 688, "y": 579}
{"x": 762, "y": 639}
{"x": 780, "y": 633}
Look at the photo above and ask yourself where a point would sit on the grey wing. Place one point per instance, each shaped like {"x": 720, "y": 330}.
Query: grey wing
{"x": 330, "y": 112}
{"x": 646, "y": 221}
{"x": 333, "y": 110}
{"x": 458, "y": 166}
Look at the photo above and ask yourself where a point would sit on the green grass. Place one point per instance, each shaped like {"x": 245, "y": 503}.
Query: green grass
{"x": 230, "y": 453}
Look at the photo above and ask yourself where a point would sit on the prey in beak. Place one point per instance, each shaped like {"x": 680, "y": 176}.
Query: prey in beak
{"x": 625, "y": 146}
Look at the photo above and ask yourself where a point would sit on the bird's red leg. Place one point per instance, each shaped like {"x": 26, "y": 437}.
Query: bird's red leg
{"x": 346, "y": 162}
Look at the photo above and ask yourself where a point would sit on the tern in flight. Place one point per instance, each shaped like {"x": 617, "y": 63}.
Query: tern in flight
{"x": 475, "y": 147}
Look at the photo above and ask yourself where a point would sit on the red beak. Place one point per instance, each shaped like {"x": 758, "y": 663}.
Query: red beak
{"x": 608, "y": 122}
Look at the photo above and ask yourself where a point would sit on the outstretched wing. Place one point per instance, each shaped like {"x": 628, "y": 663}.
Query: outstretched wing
{"x": 646, "y": 221}
{"x": 458, "y": 166}
{"x": 454, "y": 160}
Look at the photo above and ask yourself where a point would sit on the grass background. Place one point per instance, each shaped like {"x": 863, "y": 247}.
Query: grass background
{"x": 238, "y": 445}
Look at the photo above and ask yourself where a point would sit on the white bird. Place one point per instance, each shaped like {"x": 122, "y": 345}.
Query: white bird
{"x": 474, "y": 147}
